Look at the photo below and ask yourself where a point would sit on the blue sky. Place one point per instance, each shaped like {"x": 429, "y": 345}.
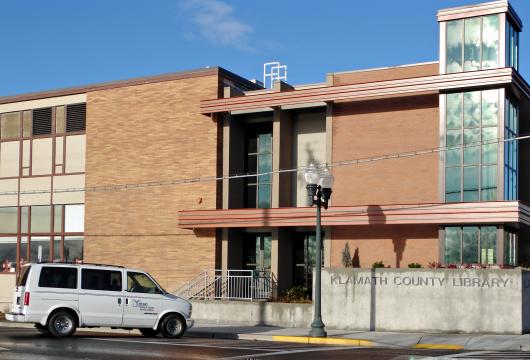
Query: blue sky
{"x": 58, "y": 43}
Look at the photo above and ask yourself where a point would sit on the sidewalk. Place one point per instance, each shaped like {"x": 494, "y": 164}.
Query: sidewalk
{"x": 348, "y": 338}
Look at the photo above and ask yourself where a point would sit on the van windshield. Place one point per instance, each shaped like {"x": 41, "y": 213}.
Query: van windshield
{"x": 23, "y": 276}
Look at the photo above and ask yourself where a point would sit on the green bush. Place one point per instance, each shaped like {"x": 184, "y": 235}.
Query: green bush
{"x": 378, "y": 264}
{"x": 415, "y": 266}
{"x": 297, "y": 294}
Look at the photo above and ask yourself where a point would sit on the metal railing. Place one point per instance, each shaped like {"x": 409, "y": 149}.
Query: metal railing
{"x": 230, "y": 285}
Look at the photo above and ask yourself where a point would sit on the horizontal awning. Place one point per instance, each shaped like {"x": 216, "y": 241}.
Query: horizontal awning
{"x": 494, "y": 212}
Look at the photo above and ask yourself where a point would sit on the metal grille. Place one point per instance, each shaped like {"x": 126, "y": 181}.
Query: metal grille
{"x": 75, "y": 117}
{"x": 42, "y": 121}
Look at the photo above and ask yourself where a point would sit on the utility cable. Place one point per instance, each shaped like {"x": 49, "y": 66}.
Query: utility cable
{"x": 407, "y": 154}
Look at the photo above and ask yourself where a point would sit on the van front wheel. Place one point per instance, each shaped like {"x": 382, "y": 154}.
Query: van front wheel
{"x": 62, "y": 324}
{"x": 173, "y": 326}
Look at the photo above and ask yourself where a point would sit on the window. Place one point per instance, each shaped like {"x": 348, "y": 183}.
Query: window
{"x": 39, "y": 245}
{"x": 74, "y": 219}
{"x": 472, "y": 44}
{"x": 8, "y": 253}
{"x": 510, "y": 247}
{"x": 41, "y": 219}
{"x": 512, "y": 46}
{"x": 470, "y": 245}
{"x": 10, "y": 125}
{"x": 8, "y": 220}
{"x": 75, "y": 117}
{"x": 511, "y": 151}
{"x": 258, "y": 161}
{"x": 141, "y": 283}
{"x": 42, "y": 121}
{"x": 73, "y": 248}
{"x": 58, "y": 277}
{"x": 103, "y": 280}
{"x": 472, "y": 146}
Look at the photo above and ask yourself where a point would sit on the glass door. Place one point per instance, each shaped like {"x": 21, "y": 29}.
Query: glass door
{"x": 257, "y": 252}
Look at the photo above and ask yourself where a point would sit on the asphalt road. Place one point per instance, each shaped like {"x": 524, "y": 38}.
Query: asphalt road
{"x": 28, "y": 344}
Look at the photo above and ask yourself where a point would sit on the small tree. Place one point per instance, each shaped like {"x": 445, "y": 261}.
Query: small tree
{"x": 346, "y": 256}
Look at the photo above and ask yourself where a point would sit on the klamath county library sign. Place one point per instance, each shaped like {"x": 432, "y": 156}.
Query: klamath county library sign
{"x": 451, "y": 300}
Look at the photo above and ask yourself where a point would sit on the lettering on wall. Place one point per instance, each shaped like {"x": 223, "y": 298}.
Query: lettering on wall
{"x": 424, "y": 280}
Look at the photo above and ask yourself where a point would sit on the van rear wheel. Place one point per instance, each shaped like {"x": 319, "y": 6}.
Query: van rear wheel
{"x": 173, "y": 326}
{"x": 147, "y": 332}
{"x": 62, "y": 324}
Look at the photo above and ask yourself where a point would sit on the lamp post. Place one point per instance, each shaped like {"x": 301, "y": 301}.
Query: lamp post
{"x": 318, "y": 184}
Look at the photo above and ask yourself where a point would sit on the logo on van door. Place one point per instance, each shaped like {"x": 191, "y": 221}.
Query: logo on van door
{"x": 143, "y": 306}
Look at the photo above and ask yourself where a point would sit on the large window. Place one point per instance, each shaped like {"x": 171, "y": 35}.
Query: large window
{"x": 472, "y": 44}
{"x": 258, "y": 161}
{"x": 511, "y": 150}
{"x": 470, "y": 245}
{"x": 44, "y": 232}
{"x": 472, "y": 120}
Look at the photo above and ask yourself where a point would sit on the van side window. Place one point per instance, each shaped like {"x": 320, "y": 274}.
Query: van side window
{"x": 141, "y": 283}
{"x": 58, "y": 277}
{"x": 105, "y": 280}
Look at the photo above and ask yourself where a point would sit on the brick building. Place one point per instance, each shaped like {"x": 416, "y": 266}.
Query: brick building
{"x": 449, "y": 188}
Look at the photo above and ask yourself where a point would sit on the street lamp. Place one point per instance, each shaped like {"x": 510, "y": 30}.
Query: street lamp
{"x": 319, "y": 184}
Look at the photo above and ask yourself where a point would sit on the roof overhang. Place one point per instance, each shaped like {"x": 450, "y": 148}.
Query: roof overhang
{"x": 325, "y": 94}
{"x": 489, "y": 8}
{"x": 494, "y": 212}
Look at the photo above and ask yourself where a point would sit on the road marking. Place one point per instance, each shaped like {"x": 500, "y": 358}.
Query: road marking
{"x": 290, "y": 352}
{"x": 323, "y": 341}
{"x": 3, "y": 349}
{"x": 187, "y": 344}
{"x": 439, "y": 346}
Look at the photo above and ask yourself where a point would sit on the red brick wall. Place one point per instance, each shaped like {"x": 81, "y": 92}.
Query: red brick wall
{"x": 395, "y": 245}
{"x": 379, "y": 127}
{"x": 394, "y": 73}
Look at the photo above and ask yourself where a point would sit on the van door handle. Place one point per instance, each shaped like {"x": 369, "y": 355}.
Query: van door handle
{"x": 119, "y": 301}
{"x": 126, "y": 301}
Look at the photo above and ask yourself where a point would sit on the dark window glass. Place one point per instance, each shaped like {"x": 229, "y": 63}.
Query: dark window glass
{"x": 42, "y": 121}
{"x": 75, "y": 117}
{"x": 105, "y": 280}
{"x": 58, "y": 277}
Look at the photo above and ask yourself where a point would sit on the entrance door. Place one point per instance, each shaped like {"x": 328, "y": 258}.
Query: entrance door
{"x": 304, "y": 255}
{"x": 257, "y": 252}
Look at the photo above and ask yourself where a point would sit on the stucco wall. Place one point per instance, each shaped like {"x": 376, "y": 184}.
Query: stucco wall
{"x": 451, "y": 300}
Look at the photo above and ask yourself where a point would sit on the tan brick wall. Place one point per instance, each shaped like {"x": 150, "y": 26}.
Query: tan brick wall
{"x": 395, "y": 73}
{"x": 395, "y": 245}
{"x": 145, "y": 133}
{"x": 379, "y": 127}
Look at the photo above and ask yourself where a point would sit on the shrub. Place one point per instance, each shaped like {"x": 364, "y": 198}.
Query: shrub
{"x": 297, "y": 294}
{"x": 435, "y": 265}
{"x": 378, "y": 264}
{"x": 415, "y": 266}
{"x": 346, "y": 256}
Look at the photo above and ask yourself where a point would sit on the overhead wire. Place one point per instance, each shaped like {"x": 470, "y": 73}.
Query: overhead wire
{"x": 192, "y": 180}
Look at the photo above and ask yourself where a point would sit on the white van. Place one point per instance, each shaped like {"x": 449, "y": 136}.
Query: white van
{"x": 58, "y": 298}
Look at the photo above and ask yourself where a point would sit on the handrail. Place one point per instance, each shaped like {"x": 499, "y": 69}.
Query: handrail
{"x": 230, "y": 284}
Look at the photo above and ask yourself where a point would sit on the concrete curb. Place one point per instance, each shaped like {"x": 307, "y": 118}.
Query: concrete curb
{"x": 390, "y": 341}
